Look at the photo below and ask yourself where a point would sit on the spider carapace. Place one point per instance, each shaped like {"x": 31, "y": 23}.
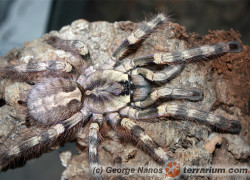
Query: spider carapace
{"x": 118, "y": 93}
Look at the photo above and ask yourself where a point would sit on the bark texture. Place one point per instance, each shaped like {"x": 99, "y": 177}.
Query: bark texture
{"x": 224, "y": 81}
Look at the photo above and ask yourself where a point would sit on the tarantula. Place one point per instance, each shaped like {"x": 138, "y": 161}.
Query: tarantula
{"x": 118, "y": 93}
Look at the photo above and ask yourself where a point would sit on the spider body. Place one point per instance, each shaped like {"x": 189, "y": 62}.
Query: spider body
{"x": 118, "y": 93}
{"x": 106, "y": 91}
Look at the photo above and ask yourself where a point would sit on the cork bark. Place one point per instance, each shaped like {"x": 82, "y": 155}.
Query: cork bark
{"x": 224, "y": 81}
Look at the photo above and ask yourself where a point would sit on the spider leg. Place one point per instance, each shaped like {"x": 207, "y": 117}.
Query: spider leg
{"x": 183, "y": 112}
{"x": 75, "y": 47}
{"x": 93, "y": 145}
{"x": 43, "y": 66}
{"x": 134, "y": 38}
{"x": 138, "y": 133}
{"x": 34, "y": 146}
{"x": 35, "y": 67}
{"x": 34, "y": 70}
{"x": 165, "y": 92}
{"x": 180, "y": 57}
{"x": 166, "y": 74}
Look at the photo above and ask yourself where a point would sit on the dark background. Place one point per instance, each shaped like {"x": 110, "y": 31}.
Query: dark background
{"x": 17, "y": 26}
{"x": 197, "y": 16}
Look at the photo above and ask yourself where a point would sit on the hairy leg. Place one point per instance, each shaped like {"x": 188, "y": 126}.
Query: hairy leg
{"x": 93, "y": 145}
{"x": 165, "y": 92}
{"x": 34, "y": 66}
{"x": 139, "y": 135}
{"x": 75, "y": 47}
{"x": 166, "y": 74}
{"x": 134, "y": 38}
{"x": 34, "y": 71}
{"x": 180, "y": 57}
{"x": 183, "y": 112}
{"x": 33, "y": 147}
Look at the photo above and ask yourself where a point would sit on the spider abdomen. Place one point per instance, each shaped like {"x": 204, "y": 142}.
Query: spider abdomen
{"x": 55, "y": 100}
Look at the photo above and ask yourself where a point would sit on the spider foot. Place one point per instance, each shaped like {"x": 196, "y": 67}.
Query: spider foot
{"x": 234, "y": 46}
{"x": 218, "y": 122}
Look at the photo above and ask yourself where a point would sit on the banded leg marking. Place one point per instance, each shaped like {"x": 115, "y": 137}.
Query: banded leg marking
{"x": 137, "y": 35}
{"x": 77, "y": 48}
{"x": 218, "y": 122}
{"x": 163, "y": 75}
{"x": 93, "y": 145}
{"x": 69, "y": 45}
{"x": 197, "y": 53}
{"x": 51, "y": 133}
{"x": 47, "y": 135}
{"x": 22, "y": 71}
{"x": 176, "y": 93}
{"x": 26, "y": 149}
{"x": 44, "y": 66}
{"x": 183, "y": 112}
{"x": 145, "y": 141}
{"x": 75, "y": 119}
{"x": 180, "y": 57}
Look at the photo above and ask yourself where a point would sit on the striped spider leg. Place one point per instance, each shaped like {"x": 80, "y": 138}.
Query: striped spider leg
{"x": 34, "y": 146}
{"x": 137, "y": 133}
{"x": 93, "y": 143}
{"x": 76, "y": 48}
{"x": 36, "y": 70}
{"x": 134, "y": 38}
